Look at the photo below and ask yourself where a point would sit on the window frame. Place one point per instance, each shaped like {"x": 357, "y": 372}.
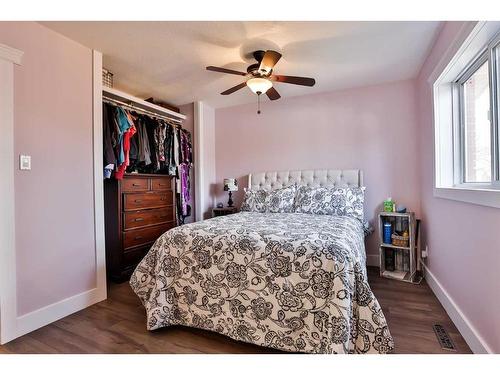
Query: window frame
{"x": 490, "y": 53}
{"x": 472, "y": 39}
{"x": 459, "y": 121}
{"x": 494, "y": 48}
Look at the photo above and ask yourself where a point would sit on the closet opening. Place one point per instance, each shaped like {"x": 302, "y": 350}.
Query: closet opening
{"x": 146, "y": 163}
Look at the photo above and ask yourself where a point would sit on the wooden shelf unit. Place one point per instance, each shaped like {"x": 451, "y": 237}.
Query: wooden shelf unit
{"x": 410, "y": 223}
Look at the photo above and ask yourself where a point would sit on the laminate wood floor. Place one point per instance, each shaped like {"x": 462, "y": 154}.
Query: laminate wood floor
{"x": 117, "y": 325}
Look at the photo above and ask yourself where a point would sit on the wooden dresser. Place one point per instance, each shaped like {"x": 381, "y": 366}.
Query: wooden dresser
{"x": 138, "y": 209}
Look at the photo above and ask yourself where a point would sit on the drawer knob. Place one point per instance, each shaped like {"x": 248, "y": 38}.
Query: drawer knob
{"x": 138, "y": 201}
{"x": 162, "y": 184}
{"x": 139, "y": 219}
{"x": 138, "y": 238}
{"x": 136, "y": 184}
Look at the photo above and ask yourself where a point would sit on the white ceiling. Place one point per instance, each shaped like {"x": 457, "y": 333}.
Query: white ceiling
{"x": 167, "y": 60}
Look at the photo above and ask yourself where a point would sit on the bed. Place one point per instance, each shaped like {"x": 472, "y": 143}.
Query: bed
{"x": 292, "y": 281}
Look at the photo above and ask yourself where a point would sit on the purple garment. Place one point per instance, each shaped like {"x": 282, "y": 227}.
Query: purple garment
{"x": 184, "y": 193}
{"x": 185, "y": 147}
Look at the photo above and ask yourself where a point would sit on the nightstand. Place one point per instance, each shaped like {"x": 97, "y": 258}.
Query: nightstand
{"x": 400, "y": 255}
{"x": 223, "y": 211}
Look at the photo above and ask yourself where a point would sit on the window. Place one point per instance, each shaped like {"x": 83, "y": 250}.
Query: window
{"x": 466, "y": 118}
{"x": 474, "y": 124}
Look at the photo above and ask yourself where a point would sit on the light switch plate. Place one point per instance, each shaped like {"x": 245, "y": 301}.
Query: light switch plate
{"x": 25, "y": 162}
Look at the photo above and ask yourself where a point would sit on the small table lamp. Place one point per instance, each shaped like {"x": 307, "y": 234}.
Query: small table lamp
{"x": 230, "y": 184}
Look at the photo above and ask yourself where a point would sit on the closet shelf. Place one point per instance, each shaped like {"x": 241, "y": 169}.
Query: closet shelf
{"x": 115, "y": 94}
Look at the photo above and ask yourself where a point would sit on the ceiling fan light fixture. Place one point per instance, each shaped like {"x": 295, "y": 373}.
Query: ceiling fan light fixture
{"x": 259, "y": 85}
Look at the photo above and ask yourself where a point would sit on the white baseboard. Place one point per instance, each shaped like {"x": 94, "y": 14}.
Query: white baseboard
{"x": 373, "y": 260}
{"x": 49, "y": 314}
{"x": 470, "y": 335}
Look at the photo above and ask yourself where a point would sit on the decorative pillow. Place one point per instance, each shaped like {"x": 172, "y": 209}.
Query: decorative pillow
{"x": 355, "y": 199}
{"x": 254, "y": 200}
{"x": 331, "y": 201}
{"x": 320, "y": 201}
{"x": 281, "y": 200}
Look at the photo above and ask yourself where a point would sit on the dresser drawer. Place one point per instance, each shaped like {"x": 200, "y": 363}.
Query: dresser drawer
{"x": 161, "y": 183}
{"x": 144, "y": 236}
{"x": 136, "y": 219}
{"x": 134, "y": 256}
{"x": 136, "y": 201}
{"x": 135, "y": 184}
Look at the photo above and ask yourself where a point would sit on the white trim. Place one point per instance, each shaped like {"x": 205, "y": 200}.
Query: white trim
{"x": 466, "y": 329}
{"x": 373, "y": 260}
{"x": 49, "y": 314}
{"x": 139, "y": 103}
{"x": 199, "y": 161}
{"x": 11, "y": 54}
{"x": 483, "y": 197}
{"x": 100, "y": 243}
{"x": 8, "y": 296}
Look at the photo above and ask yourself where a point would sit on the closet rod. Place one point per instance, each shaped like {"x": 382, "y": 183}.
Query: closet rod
{"x": 140, "y": 110}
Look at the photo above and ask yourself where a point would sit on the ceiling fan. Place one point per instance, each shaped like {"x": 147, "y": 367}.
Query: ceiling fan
{"x": 260, "y": 76}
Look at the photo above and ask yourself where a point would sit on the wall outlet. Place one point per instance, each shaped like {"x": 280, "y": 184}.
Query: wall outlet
{"x": 25, "y": 162}
{"x": 425, "y": 253}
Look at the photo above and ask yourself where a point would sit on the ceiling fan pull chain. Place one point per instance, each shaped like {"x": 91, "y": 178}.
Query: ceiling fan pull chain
{"x": 258, "y": 104}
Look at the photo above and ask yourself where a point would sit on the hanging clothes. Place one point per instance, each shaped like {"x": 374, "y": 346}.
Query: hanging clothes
{"x": 135, "y": 142}
{"x": 170, "y": 166}
{"x": 143, "y": 143}
{"x": 160, "y": 135}
{"x": 109, "y": 136}
{"x": 176, "y": 147}
{"x": 184, "y": 187}
{"x": 125, "y": 119}
{"x": 151, "y": 125}
{"x": 186, "y": 147}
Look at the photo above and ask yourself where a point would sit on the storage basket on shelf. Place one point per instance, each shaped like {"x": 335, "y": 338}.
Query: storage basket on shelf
{"x": 107, "y": 78}
{"x": 400, "y": 240}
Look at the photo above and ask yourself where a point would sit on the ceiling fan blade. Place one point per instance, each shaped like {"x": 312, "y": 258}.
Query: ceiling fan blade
{"x": 273, "y": 94}
{"x": 303, "y": 81}
{"x": 233, "y": 89}
{"x": 269, "y": 61}
{"x": 224, "y": 70}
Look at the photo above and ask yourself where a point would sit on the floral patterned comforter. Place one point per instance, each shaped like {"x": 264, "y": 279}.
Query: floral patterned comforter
{"x": 295, "y": 282}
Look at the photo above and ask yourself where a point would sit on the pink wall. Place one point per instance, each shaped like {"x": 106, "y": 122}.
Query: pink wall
{"x": 371, "y": 128}
{"x": 464, "y": 248}
{"x": 54, "y": 201}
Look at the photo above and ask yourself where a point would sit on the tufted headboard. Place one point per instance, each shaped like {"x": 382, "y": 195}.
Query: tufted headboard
{"x": 308, "y": 177}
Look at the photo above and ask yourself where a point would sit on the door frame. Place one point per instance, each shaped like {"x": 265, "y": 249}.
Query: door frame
{"x": 100, "y": 243}
{"x": 8, "y": 290}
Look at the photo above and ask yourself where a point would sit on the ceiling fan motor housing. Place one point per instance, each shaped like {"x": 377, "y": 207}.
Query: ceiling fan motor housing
{"x": 254, "y": 68}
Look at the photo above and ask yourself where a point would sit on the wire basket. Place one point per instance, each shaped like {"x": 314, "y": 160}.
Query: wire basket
{"x": 400, "y": 240}
{"x": 107, "y": 78}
